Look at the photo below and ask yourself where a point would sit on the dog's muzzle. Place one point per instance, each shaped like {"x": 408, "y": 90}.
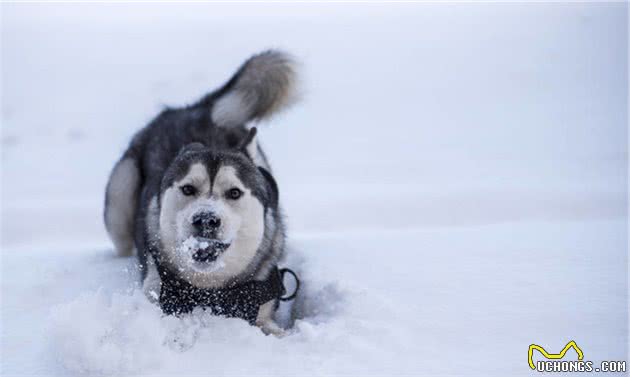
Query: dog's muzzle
{"x": 209, "y": 250}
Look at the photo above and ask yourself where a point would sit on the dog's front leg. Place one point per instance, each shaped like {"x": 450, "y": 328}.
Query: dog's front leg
{"x": 266, "y": 322}
{"x": 152, "y": 284}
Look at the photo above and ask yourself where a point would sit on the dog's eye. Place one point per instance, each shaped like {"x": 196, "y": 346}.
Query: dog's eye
{"x": 234, "y": 193}
{"x": 188, "y": 190}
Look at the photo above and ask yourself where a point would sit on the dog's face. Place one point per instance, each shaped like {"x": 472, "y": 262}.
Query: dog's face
{"x": 213, "y": 214}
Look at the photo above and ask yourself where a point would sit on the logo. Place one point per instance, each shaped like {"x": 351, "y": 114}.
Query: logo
{"x": 553, "y": 356}
{"x": 580, "y": 365}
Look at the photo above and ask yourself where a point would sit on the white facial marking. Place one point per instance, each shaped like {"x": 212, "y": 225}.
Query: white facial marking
{"x": 177, "y": 209}
{"x": 242, "y": 226}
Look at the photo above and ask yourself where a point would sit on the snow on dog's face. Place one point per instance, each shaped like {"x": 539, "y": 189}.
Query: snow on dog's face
{"x": 212, "y": 212}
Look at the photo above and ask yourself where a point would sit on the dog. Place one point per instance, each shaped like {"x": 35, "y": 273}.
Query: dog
{"x": 195, "y": 196}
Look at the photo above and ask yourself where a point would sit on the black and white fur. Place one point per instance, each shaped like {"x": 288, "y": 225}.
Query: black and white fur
{"x": 207, "y": 146}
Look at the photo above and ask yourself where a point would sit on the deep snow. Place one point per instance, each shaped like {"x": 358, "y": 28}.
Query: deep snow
{"x": 455, "y": 185}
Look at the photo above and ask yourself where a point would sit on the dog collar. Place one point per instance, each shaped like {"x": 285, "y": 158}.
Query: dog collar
{"x": 240, "y": 301}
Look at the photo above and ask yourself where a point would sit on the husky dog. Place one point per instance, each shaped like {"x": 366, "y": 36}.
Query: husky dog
{"x": 194, "y": 194}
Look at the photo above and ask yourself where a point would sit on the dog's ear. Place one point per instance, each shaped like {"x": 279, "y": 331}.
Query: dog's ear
{"x": 262, "y": 86}
{"x": 272, "y": 187}
{"x": 249, "y": 145}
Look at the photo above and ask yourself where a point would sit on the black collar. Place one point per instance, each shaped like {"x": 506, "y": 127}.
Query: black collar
{"x": 241, "y": 300}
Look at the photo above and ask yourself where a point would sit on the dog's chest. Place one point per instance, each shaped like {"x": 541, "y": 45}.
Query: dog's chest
{"x": 240, "y": 301}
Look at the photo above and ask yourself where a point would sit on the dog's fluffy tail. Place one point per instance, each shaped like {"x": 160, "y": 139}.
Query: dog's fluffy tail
{"x": 264, "y": 85}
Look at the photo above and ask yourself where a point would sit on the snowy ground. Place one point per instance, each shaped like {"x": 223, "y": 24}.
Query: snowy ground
{"x": 455, "y": 184}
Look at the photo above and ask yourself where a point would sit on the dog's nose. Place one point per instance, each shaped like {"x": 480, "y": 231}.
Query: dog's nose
{"x": 206, "y": 220}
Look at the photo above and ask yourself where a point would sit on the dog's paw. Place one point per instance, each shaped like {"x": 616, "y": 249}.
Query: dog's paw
{"x": 272, "y": 328}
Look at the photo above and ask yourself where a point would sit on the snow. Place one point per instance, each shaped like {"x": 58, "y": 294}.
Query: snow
{"x": 455, "y": 185}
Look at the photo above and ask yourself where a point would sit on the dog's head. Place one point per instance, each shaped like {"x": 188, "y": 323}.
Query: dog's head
{"x": 214, "y": 208}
